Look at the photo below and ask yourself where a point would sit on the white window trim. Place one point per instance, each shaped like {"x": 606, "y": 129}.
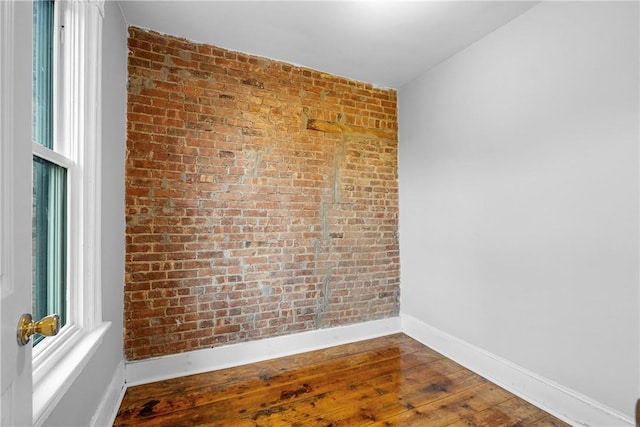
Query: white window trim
{"x": 57, "y": 361}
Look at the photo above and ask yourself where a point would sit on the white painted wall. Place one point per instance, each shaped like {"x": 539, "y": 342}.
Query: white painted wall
{"x": 78, "y": 406}
{"x": 519, "y": 195}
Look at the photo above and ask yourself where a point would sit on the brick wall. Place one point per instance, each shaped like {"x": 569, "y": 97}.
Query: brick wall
{"x": 261, "y": 198}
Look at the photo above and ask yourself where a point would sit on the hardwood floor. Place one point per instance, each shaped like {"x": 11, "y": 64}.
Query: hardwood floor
{"x": 388, "y": 381}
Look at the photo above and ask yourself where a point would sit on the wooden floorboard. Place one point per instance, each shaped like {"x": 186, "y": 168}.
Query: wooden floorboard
{"x": 387, "y": 381}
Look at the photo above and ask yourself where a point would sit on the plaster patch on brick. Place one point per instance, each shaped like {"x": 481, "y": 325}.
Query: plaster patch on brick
{"x": 317, "y": 248}
{"x": 324, "y": 301}
{"x": 256, "y": 163}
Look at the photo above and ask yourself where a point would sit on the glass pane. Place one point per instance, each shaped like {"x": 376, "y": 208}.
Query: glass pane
{"x": 43, "y": 72}
{"x": 49, "y": 241}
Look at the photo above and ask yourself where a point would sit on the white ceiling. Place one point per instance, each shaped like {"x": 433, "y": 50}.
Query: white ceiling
{"x": 381, "y": 42}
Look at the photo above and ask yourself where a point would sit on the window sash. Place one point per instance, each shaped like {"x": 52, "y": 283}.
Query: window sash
{"x": 49, "y": 241}
{"x": 43, "y": 71}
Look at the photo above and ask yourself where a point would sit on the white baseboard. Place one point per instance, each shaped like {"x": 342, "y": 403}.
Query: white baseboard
{"x": 564, "y": 403}
{"x": 194, "y": 362}
{"x": 107, "y": 410}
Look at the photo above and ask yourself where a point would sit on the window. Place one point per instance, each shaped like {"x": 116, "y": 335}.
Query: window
{"x": 67, "y": 58}
{"x": 49, "y": 284}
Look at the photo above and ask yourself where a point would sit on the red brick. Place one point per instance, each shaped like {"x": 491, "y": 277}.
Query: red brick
{"x": 235, "y": 229}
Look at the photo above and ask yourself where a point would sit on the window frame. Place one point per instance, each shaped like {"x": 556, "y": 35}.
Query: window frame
{"x": 77, "y": 65}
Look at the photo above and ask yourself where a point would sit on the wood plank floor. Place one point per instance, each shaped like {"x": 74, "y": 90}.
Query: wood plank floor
{"x": 388, "y": 381}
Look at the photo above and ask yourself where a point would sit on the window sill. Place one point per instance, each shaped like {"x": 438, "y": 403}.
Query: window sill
{"x": 55, "y": 375}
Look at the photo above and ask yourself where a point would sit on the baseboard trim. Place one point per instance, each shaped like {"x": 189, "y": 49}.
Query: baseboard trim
{"x": 198, "y": 361}
{"x": 563, "y": 403}
{"x": 107, "y": 410}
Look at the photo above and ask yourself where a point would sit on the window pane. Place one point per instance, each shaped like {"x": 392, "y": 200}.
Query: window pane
{"x": 43, "y": 72}
{"x": 49, "y": 241}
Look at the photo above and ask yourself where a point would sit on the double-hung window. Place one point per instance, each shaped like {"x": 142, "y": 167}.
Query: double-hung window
{"x": 50, "y": 171}
{"x": 66, "y": 192}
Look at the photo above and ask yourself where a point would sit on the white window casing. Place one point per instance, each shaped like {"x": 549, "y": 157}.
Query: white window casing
{"x": 57, "y": 361}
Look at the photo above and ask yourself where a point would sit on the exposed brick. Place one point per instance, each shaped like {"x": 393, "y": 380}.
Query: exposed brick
{"x": 242, "y": 223}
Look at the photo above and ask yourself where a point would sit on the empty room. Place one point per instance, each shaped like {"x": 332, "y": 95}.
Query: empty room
{"x": 320, "y": 213}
